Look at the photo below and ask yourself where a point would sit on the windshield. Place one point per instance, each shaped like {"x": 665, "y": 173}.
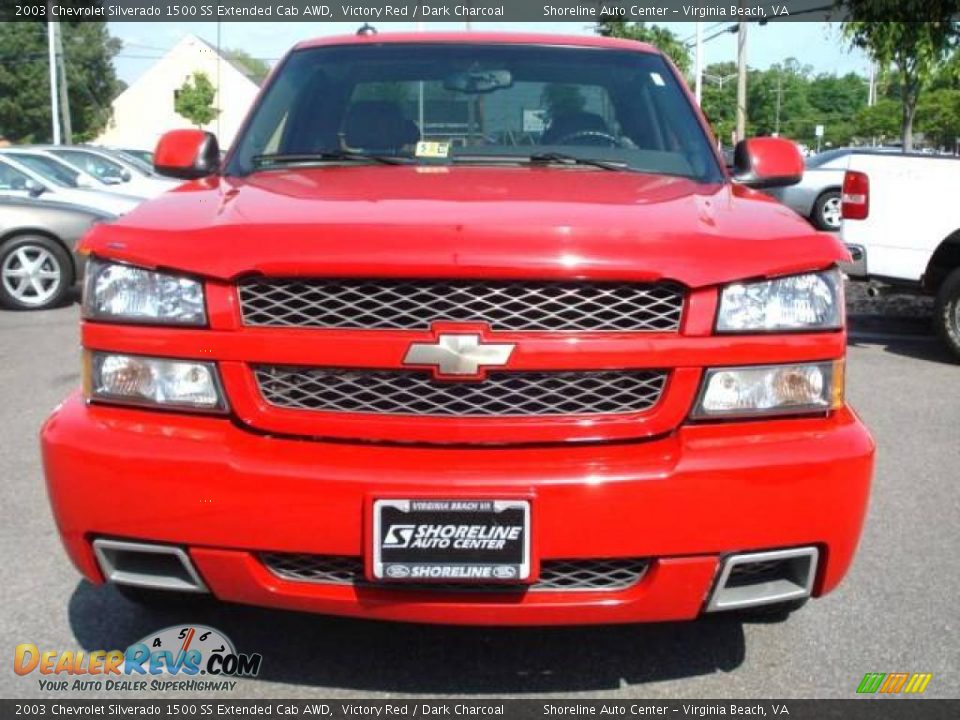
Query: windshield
{"x": 56, "y": 172}
{"x": 136, "y": 163}
{"x": 821, "y": 159}
{"x": 453, "y": 103}
{"x": 91, "y": 163}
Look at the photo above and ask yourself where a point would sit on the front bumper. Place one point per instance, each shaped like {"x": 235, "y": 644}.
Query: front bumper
{"x": 857, "y": 267}
{"x": 684, "y": 500}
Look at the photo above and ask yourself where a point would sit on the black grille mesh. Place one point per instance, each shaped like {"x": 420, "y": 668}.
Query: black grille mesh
{"x": 416, "y": 304}
{"x": 609, "y": 574}
{"x": 498, "y": 395}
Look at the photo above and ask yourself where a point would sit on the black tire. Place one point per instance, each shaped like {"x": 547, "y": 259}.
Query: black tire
{"x": 947, "y": 312}
{"x": 19, "y": 292}
{"x": 825, "y": 207}
{"x": 146, "y": 597}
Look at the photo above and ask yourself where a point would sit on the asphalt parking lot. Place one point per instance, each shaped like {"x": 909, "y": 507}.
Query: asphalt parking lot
{"x": 897, "y": 610}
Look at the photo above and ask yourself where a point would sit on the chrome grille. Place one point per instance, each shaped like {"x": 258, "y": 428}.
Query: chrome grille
{"x": 416, "y": 304}
{"x": 590, "y": 574}
{"x": 499, "y": 395}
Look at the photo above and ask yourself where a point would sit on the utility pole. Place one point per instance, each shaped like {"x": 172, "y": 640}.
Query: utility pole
{"x": 423, "y": 134}
{"x": 872, "y": 92}
{"x": 779, "y": 90}
{"x": 54, "y": 99}
{"x": 219, "y": 98}
{"x": 64, "y": 98}
{"x": 698, "y": 64}
{"x": 741, "y": 81}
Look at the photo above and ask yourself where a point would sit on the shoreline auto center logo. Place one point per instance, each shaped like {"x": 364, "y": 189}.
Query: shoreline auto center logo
{"x": 894, "y": 683}
{"x": 445, "y": 535}
{"x": 180, "y": 657}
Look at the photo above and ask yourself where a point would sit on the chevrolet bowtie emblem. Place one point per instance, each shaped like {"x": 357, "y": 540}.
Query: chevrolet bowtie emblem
{"x": 458, "y": 355}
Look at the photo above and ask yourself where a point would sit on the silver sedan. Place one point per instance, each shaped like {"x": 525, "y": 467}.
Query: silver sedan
{"x": 38, "y": 264}
{"x": 817, "y": 196}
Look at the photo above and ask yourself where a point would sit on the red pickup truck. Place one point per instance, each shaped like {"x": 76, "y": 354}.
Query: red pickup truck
{"x": 465, "y": 328}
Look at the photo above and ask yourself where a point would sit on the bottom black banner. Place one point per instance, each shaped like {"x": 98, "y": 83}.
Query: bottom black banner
{"x": 863, "y": 709}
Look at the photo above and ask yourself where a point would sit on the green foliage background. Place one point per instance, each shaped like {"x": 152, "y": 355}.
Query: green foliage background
{"x": 25, "y": 85}
{"x": 808, "y": 99}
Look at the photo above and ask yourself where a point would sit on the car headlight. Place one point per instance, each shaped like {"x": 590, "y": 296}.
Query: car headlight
{"x": 771, "y": 390}
{"x": 153, "y": 382}
{"x": 113, "y": 291}
{"x": 812, "y": 301}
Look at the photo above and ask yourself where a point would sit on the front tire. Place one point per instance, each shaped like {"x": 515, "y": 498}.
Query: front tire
{"x": 35, "y": 273}
{"x": 826, "y": 211}
{"x": 947, "y": 312}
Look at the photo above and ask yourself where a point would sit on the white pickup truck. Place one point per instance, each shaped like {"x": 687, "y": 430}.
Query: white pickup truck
{"x": 901, "y": 223}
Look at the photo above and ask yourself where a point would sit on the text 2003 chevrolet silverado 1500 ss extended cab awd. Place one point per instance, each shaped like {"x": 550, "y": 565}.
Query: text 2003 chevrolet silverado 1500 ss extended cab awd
{"x": 465, "y": 329}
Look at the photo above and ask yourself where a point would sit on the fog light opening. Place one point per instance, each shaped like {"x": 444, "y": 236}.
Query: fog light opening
{"x": 157, "y": 567}
{"x": 751, "y": 580}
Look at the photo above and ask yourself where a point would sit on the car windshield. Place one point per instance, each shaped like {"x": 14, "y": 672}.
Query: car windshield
{"x": 91, "y": 163}
{"x": 479, "y": 104}
{"x": 136, "y": 163}
{"x": 55, "y": 172}
{"x": 12, "y": 179}
{"x": 821, "y": 159}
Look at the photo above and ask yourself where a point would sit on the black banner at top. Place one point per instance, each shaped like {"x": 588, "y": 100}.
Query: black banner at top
{"x": 387, "y": 11}
{"x": 491, "y": 709}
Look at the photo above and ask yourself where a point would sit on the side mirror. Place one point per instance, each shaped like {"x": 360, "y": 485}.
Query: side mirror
{"x": 766, "y": 162}
{"x": 34, "y": 189}
{"x": 126, "y": 175}
{"x": 187, "y": 154}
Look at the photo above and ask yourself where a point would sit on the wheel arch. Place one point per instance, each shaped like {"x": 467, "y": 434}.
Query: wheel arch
{"x": 813, "y": 213}
{"x": 945, "y": 259}
{"x": 825, "y": 191}
{"x": 28, "y": 231}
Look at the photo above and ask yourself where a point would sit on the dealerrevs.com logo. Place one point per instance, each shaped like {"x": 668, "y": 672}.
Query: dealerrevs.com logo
{"x": 894, "y": 683}
{"x": 180, "y": 657}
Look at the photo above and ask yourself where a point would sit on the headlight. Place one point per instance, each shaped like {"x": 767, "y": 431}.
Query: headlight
{"x": 771, "y": 390}
{"x": 122, "y": 292}
{"x": 154, "y": 382}
{"x": 813, "y": 301}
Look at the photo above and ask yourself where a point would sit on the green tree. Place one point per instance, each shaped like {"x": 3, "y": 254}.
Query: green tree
{"x": 787, "y": 98}
{"x": 938, "y": 117}
{"x": 916, "y": 49}
{"x": 92, "y": 83}
{"x": 254, "y": 68}
{"x": 719, "y": 100}
{"x": 659, "y": 37}
{"x": 194, "y": 100}
{"x": 880, "y": 122}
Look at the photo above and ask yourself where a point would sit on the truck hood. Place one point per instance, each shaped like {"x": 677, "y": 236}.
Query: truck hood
{"x": 491, "y": 222}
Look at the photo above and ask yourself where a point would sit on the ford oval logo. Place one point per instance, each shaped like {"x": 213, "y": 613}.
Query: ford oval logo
{"x": 505, "y": 572}
{"x": 398, "y": 571}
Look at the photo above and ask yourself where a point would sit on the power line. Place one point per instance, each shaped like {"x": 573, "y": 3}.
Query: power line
{"x": 687, "y": 40}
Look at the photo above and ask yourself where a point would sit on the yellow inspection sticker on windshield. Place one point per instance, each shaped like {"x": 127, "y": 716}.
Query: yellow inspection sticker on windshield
{"x": 433, "y": 149}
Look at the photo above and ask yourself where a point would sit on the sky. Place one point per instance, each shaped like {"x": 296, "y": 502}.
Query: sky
{"x": 817, "y": 44}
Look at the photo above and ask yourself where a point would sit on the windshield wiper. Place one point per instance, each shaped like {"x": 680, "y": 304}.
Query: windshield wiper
{"x": 560, "y": 158}
{"x": 326, "y": 156}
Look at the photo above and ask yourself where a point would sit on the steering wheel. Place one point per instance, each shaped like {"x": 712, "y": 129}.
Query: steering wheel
{"x": 603, "y": 137}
